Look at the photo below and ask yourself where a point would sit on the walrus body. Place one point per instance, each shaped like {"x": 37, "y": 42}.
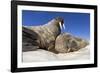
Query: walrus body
{"x": 67, "y": 43}
{"x": 47, "y": 33}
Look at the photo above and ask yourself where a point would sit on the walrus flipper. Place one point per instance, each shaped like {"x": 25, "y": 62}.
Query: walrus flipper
{"x": 29, "y": 40}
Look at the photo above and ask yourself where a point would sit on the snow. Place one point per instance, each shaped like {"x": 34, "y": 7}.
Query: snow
{"x": 43, "y": 55}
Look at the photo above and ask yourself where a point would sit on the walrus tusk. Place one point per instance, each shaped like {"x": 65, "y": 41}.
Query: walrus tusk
{"x": 64, "y": 26}
{"x": 60, "y": 25}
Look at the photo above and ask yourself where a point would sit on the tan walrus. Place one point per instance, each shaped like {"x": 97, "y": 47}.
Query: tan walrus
{"x": 47, "y": 33}
{"x": 49, "y": 37}
{"x": 65, "y": 43}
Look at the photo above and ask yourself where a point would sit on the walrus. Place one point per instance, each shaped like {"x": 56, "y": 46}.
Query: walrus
{"x": 47, "y": 33}
{"x": 66, "y": 43}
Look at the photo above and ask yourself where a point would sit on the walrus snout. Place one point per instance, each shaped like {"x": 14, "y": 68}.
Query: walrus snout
{"x": 60, "y": 22}
{"x": 60, "y": 19}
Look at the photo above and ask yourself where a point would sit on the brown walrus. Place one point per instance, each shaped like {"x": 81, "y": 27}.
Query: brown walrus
{"x": 47, "y": 33}
{"x": 65, "y": 43}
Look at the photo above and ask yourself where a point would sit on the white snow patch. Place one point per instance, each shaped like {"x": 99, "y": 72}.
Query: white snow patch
{"x": 43, "y": 55}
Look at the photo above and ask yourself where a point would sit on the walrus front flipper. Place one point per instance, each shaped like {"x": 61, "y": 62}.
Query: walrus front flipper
{"x": 29, "y": 40}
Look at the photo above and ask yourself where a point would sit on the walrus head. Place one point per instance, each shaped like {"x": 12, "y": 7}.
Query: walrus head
{"x": 60, "y": 22}
{"x": 54, "y": 26}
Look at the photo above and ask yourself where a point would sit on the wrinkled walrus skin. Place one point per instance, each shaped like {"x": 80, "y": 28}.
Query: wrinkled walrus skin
{"x": 67, "y": 43}
{"x": 47, "y": 33}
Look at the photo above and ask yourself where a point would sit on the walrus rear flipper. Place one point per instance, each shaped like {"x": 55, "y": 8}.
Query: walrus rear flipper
{"x": 29, "y": 40}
